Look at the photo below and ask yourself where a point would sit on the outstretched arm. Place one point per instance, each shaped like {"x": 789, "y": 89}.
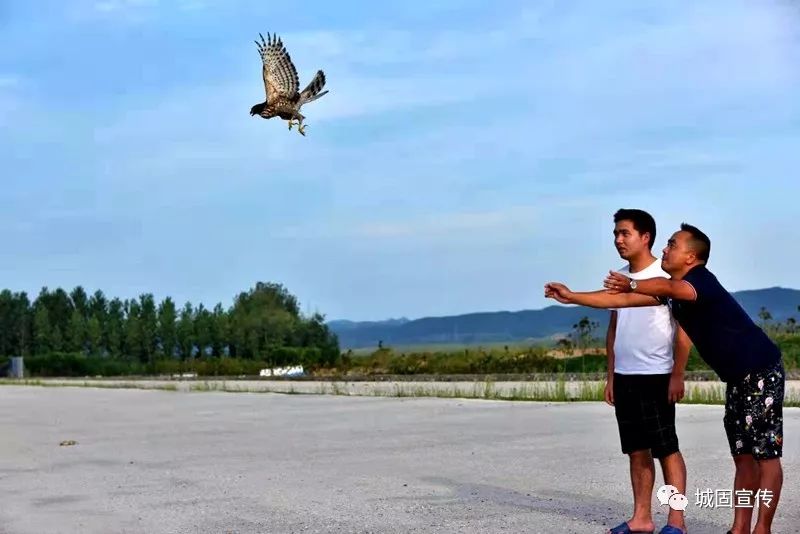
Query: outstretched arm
{"x": 655, "y": 287}
{"x": 597, "y": 299}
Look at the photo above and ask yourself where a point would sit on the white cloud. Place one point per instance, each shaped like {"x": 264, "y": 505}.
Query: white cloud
{"x": 430, "y": 226}
{"x": 707, "y": 49}
{"x": 443, "y": 226}
{"x": 138, "y": 11}
{"x": 359, "y": 96}
{"x": 9, "y": 97}
{"x": 117, "y": 6}
{"x": 9, "y": 81}
{"x": 447, "y": 224}
{"x": 371, "y": 48}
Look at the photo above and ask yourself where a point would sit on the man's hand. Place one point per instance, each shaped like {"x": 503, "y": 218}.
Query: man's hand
{"x": 617, "y": 282}
{"x": 609, "y": 391}
{"x": 559, "y": 292}
{"x": 676, "y": 388}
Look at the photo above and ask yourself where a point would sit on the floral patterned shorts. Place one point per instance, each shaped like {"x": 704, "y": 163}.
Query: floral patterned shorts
{"x": 754, "y": 413}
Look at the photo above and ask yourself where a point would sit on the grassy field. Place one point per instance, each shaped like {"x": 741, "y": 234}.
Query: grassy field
{"x": 499, "y": 358}
{"x": 561, "y": 390}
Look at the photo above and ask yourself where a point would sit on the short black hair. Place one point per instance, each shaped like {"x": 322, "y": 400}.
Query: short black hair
{"x": 699, "y": 242}
{"x": 642, "y": 222}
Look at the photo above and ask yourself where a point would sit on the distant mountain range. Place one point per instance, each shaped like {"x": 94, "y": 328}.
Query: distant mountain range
{"x": 523, "y": 326}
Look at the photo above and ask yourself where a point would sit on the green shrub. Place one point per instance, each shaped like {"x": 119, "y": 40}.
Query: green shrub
{"x": 67, "y": 364}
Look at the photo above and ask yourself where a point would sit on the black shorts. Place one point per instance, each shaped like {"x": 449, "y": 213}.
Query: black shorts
{"x": 645, "y": 417}
{"x": 754, "y": 413}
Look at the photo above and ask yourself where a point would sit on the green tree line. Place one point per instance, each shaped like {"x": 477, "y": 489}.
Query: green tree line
{"x": 264, "y": 323}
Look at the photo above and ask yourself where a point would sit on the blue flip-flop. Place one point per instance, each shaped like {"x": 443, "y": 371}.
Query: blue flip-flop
{"x": 669, "y": 529}
{"x": 623, "y": 528}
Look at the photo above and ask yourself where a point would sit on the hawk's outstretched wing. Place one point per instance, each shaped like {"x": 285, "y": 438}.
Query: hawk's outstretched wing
{"x": 280, "y": 74}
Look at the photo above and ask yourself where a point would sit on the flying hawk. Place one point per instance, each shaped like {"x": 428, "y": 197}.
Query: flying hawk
{"x": 281, "y": 84}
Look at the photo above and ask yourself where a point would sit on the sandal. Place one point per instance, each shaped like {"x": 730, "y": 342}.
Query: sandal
{"x": 623, "y": 528}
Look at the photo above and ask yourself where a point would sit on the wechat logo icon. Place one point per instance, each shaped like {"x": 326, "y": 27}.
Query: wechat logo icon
{"x": 669, "y": 495}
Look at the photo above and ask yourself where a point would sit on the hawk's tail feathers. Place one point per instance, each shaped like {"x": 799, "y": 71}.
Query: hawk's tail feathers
{"x": 312, "y": 90}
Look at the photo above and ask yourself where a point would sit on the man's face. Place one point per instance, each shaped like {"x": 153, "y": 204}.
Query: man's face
{"x": 628, "y": 241}
{"x": 677, "y": 254}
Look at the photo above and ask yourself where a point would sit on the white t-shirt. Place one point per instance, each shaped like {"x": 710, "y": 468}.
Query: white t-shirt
{"x": 645, "y": 335}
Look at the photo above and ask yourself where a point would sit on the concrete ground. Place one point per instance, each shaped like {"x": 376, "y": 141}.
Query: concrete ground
{"x": 212, "y": 462}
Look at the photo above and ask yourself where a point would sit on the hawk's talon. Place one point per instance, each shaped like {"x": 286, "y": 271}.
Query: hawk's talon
{"x": 302, "y": 129}
{"x": 290, "y": 124}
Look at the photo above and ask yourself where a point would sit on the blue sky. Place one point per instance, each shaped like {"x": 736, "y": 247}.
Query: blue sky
{"x": 467, "y": 152}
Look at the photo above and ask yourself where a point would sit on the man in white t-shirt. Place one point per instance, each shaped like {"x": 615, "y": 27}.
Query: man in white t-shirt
{"x": 647, "y": 355}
